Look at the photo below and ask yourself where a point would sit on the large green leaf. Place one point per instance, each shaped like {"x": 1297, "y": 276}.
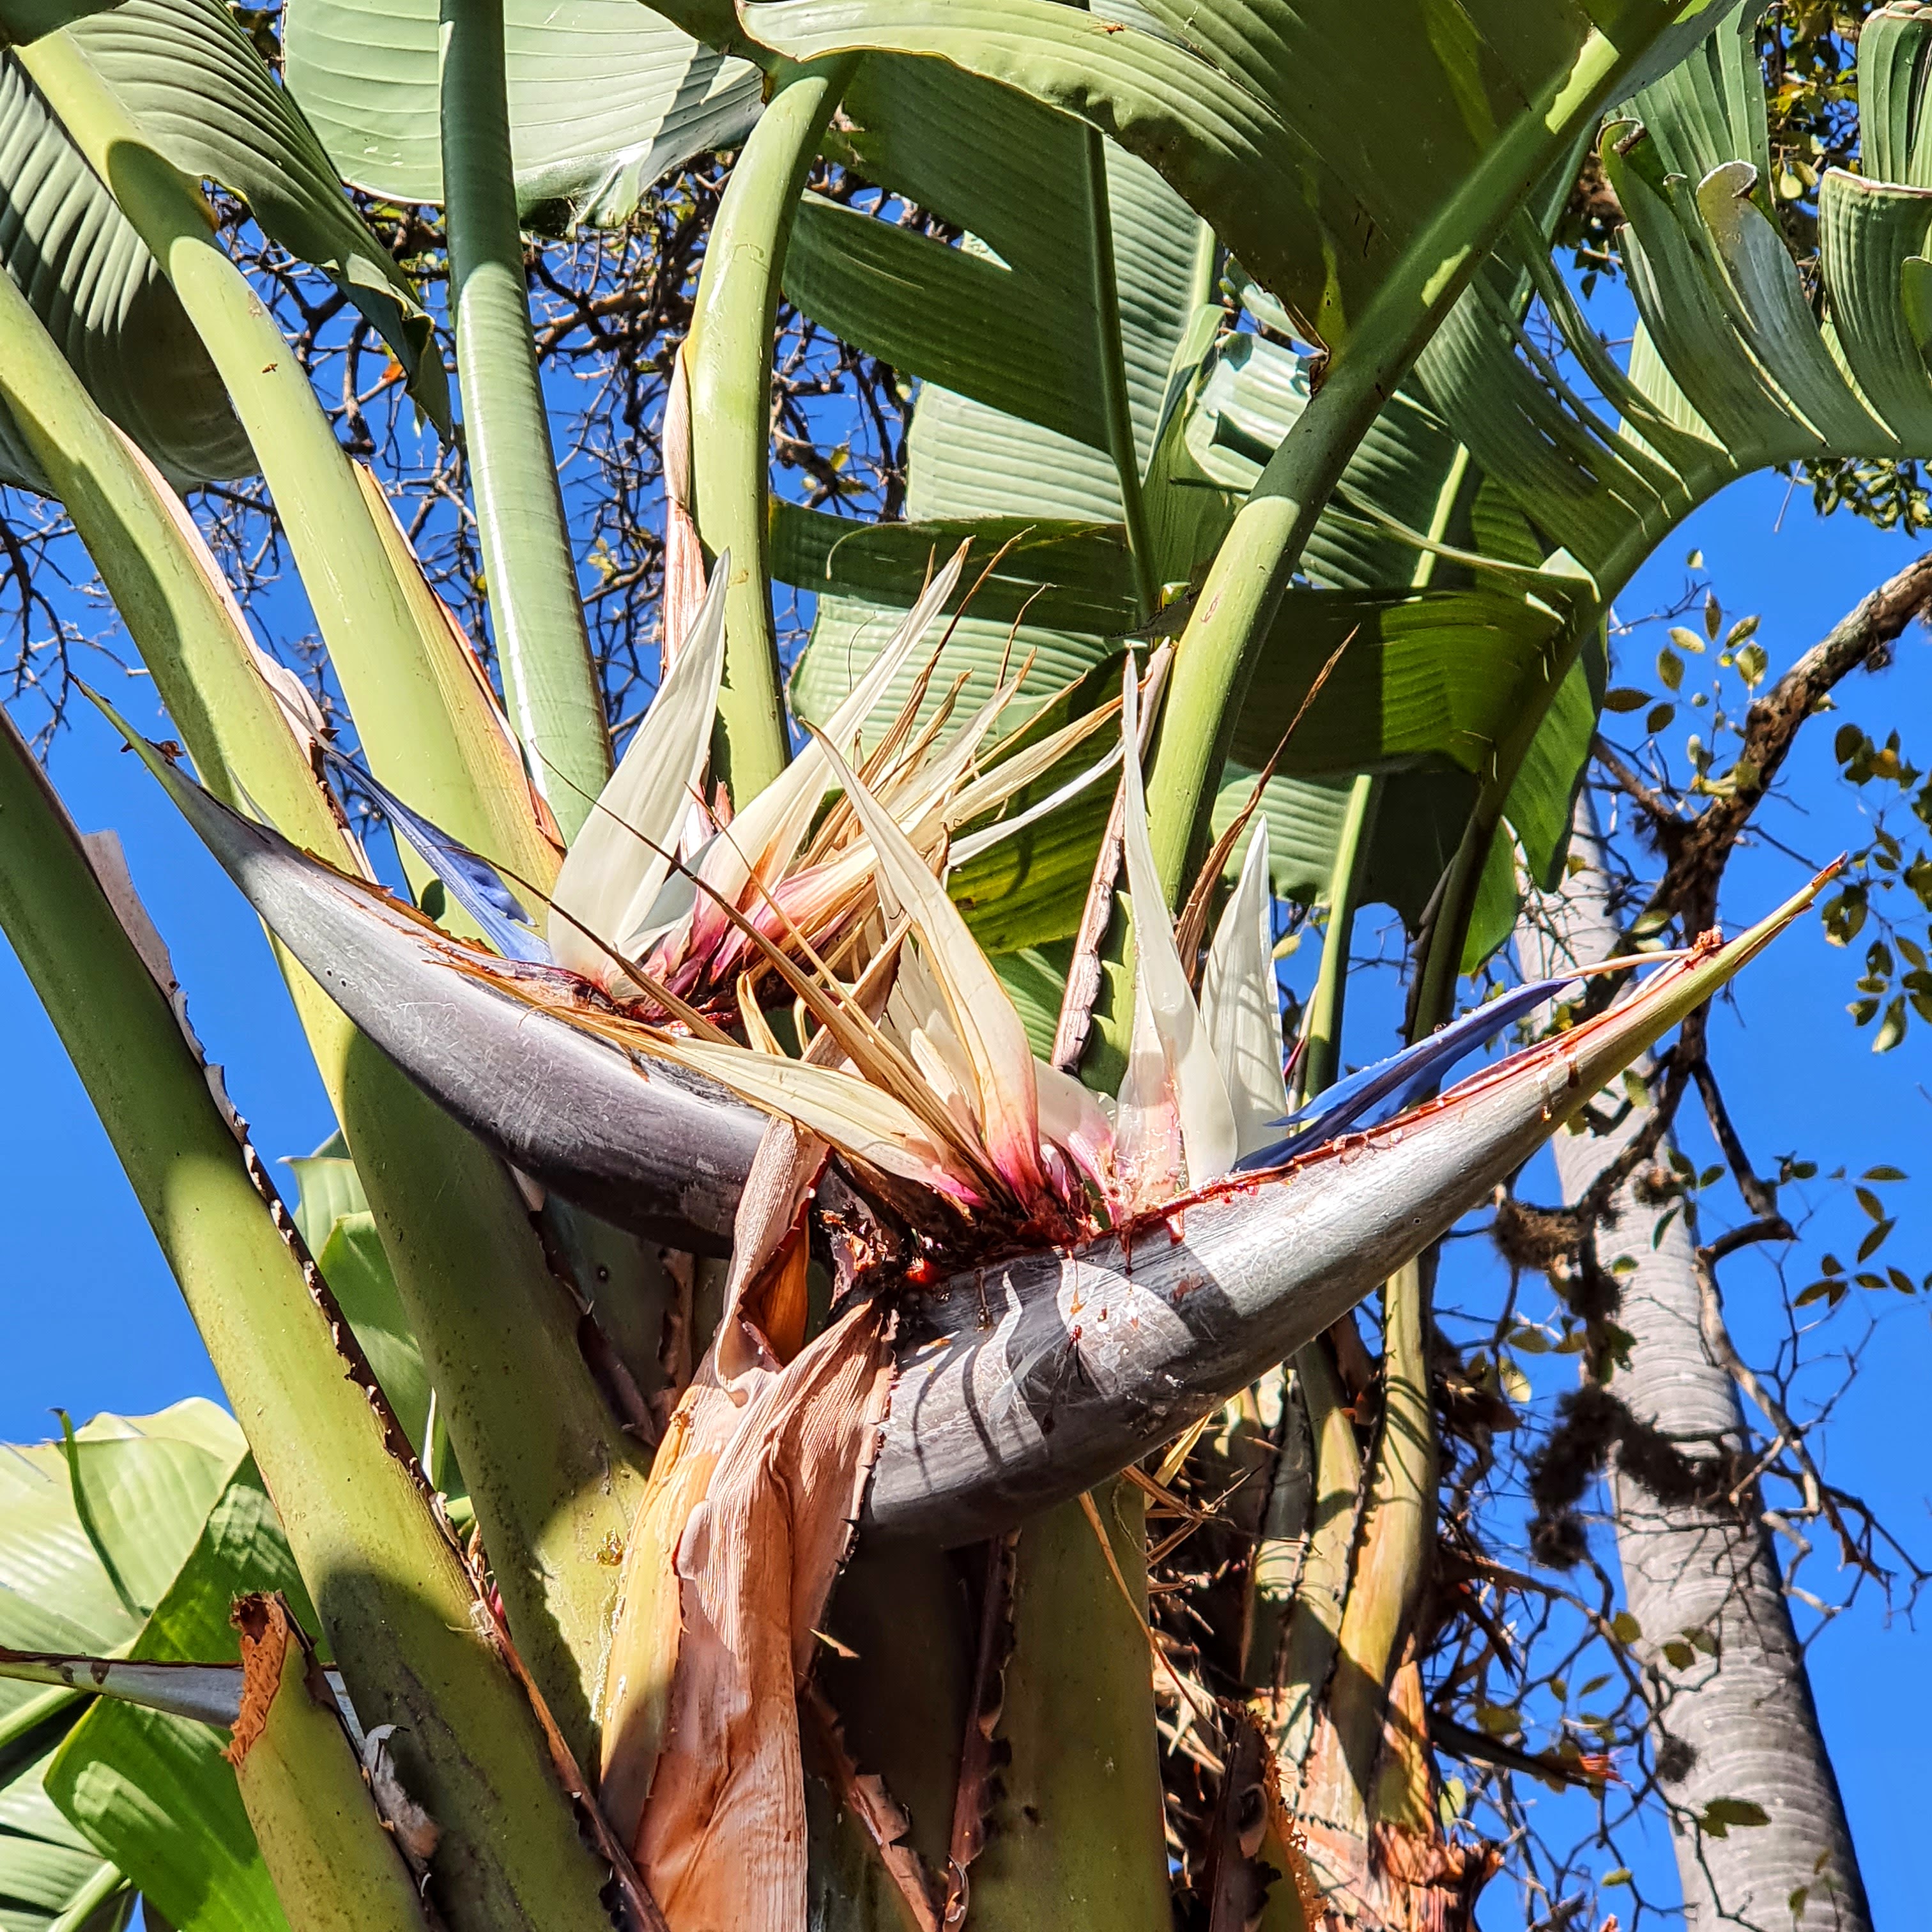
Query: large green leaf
{"x": 1035, "y": 979}
{"x": 1304, "y": 818}
{"x": 968, "y": 460}
{"x": 48, "y": 1872}
{"x": 99, "y": 292}
{"x": 605, "y": 97}
{"x": 1424, "y": 676}
{"x": 58, "y": 1591}
{"x": 153, "y": 1793}
{"x": 1014, "y": 317}
{"x": 1057, "y": 572}
{"x": 24, "y": 20}
{"x": 194, "y": 81}
{"x": 1329, "y": 147}
{"x": 1360, "y": 163}
{"x": 1729, "y": 371}
{"x": 149, "y": 1481}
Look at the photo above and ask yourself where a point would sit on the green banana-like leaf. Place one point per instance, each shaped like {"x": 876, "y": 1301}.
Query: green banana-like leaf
{"x": 96, "y": 287}
{"x": 1304, "y": 818}
{"x": 1015, "y": 318}
{"x": 1274, "y": 120}
{"x": 1422, "y": 675}
{"x": 149, "y": 1483}
{"x": 22, "y": 21}
{"x": 194, "y": 81}
{"x": 153, "y": 1792}
{"x": 1730, "y": 370}
{"x": 605, "y": 98}
{"x": 1035, "y": 979}
{"x": 1055, "y": 571}
{"x": 968, "y": 460}
{"x": 1895, "y": 137}
{"x": 50, "y": 1874}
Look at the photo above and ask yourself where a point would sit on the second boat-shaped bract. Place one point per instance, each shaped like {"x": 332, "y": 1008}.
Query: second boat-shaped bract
{"x": 1026, "y": 1382}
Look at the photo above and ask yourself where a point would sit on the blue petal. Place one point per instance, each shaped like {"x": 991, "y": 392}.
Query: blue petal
{"x": 1380, "y": 1092}
{"x": 474, "y": 884}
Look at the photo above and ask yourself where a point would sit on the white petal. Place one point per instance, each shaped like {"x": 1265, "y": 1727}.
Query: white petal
{"x": 1199, "y": 1097}
{"x": 611, "y": 880}
{"x": 1240, "y": 1003}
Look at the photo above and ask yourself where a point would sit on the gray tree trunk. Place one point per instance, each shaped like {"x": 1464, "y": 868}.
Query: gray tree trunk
{"x": 1742, "y": 1725}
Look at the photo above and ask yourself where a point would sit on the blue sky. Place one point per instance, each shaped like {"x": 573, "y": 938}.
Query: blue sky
{"x": 93, "y": 1321}
{"x": 1799, "y": 1075}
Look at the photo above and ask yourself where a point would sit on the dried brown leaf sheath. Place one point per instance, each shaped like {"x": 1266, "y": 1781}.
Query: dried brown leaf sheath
{"x": 722, "y": 1841}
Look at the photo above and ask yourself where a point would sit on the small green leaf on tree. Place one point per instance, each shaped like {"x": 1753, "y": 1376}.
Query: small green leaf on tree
{"x": 1873, "y": 1242}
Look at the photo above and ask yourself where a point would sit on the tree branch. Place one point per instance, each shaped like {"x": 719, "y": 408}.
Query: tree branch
{"x": 1695, "y": 852}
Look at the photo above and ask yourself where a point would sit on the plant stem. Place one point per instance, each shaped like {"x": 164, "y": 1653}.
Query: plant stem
{"x": 360, "y": 606}
{"x": 1120, "y": 443}
{"x": 1295, "y": 1658}
{"x": 550, "y": 1473}
{"x": 729, "y": 359}
{"x": 1391, "y": 1567}
{"x": 335, "y": 1864}
{"x": 555, "y": 1481}
{"x": 1321, "y": 1058}
{"x": 1077, "y": 1834}
{"x": 387, "y": 1584}
{"x": 549, "y": 678}
{"x": 1237, "y": 603}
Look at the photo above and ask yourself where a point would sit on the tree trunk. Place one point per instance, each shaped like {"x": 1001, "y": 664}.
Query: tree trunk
{"x": 1742, "y": 1724}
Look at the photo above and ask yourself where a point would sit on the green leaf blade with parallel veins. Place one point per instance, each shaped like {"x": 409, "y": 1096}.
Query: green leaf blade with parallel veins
{"x": 605, "y": 98}
{"x": 197, "y": 86}
{"x": 96, "y": 287}
{"x": 56, "y": 1594}
{"x": 154, "y": 1791}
